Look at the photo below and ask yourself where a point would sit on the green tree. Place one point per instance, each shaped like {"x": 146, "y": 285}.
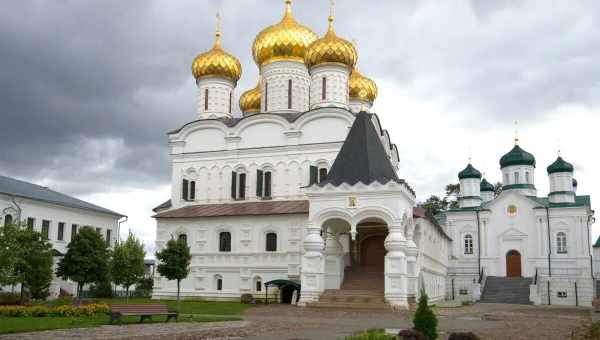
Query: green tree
{"x": 497, "y": 189}
{"x": 8, "y": 249}
{"x": 128, "y": 262}
{"x": 452, "y": 193}
{"x": 425, "y": 321}
{"x": 34, "y": 262}
{"x": 86, "y": 260}
{"x": 435, "y": 204}
{"x": 174, "y": 262}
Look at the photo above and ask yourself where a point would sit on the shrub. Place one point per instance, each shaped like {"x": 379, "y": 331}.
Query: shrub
{"x": 64, "y": 310}
{"x": 372, "y": 334}
{"x": 144, "y": 287}
{"x": 587, "y": 331}
{"x": 409, "y": 334}
{"x": 10, "y": 299}
{"x": 425, "y": 321}
{"x": 463, "y": 336}
{"x": 102, "y": 289}
{"x": 247, "y": 299}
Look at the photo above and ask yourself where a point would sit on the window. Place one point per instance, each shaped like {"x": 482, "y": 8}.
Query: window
{"x": 230, "y": 99}
{"x": 263, "y": 184}
{"x": 30, "y": 223}
{"x": 561, "y": 243}
{"x": 61, "y": 231}
{"x": 238, "y": 185}
{"x": 258, "y": 285}
{"x": 182, "y": 237}
{"x": 289, "y": 94}
{"x": 188, "y": 190}
{"x": 324, "y": 89}
{"x": 108, "y": 237}
{"x": 322, "y": 174}
{"x": 527, "y": 178}
{"x": 73, "y": 231}
{"x": 219, "y": 284}
{"x": 224, "y": 241}
{"x": 99, "y": 230}
{"x": 205, "y": 99}
{"x": 8, "y": 220}
{"x": 516, "y": 177}
{"x": 511, "y": 210}
{"x": 506, "y": 181}
{"x": 468, "y": 244}
{"x": 266, "y": 95}
{"x": 45, "y": 228}
{"x": 271, "y": 242}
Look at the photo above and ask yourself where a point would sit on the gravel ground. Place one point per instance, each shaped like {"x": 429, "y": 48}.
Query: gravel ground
{"x": 281, "y": 322}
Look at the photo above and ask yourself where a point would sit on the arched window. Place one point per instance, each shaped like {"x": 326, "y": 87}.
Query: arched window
{"x": 206, "y": 99}
{"x": 561, "y": 243}
{"x": 324, "y": 89}
{"x": 218, "y": 282}
{"x": 238, "y": 184}
{"x": 225, "y": 241}
{"x": 257, "y": 284}
{"x": 468, "y": 244}
{"x": 517, "y": 178}
{"x": 289, "y": 93}
{"x": 527, "y": 178}
{"x": 182, "y": 237}
{"x": 263, "y": 184}
{"x": 8, "y": 220}
{"x": 271, "y": 242}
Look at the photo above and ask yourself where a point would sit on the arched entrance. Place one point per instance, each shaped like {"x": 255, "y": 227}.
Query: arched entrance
{"x": 372, "y": 251}
{"x": 513, "y": 264}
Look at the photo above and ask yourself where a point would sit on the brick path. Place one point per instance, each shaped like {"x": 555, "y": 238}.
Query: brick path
{"x": 281, "y": 322}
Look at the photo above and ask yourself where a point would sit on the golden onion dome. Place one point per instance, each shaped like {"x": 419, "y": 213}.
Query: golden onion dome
{"x": 361, "y": 87}
{"x": 217, "y": 63}
{"x": 287, "y": 40}
{"x": 250, "y": 101}
{"x": 331, "y": 49}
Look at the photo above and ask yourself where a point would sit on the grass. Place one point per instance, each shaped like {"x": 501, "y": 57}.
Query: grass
{"x": 191, "y": 311}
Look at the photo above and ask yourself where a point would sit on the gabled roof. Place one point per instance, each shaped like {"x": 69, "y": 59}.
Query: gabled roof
{"x": 580, "y": 201}
{"x": 238, "y": 209}
{"x": 14, "y": 187}
{"x": 362, "y": 157}
{"x": 163, "y": 205}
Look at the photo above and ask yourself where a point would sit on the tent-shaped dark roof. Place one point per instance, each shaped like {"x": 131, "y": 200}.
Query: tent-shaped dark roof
{"x": 281, "y": 283}
{"x": 362, "y": 157}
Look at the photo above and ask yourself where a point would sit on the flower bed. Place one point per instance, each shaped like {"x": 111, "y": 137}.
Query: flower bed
{"x": 64, "y": 310}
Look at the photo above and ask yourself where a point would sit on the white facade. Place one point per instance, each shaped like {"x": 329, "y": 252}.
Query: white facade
{"x": 215, "y": 97}
{"x": 550, "y": 239}
{"x": 61, "y": 222}
{"x": 285, "y": 87}
{"x": 329, "y": 86}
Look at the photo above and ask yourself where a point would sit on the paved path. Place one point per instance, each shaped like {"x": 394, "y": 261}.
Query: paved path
{"x": 284, "y": 322}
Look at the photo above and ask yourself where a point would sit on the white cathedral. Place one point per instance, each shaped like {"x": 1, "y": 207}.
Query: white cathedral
{"x": 301, "y": 196}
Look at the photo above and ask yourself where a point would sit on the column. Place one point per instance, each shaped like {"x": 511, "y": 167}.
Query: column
{"x": 396, "y": 283}
{"x": 313, "y": 266}
{"x": 334, "y": 262}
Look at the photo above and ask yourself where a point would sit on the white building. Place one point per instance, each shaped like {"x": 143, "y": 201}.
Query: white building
{"x": 539, "y": 247}
{"x": 57, "y": 216}
{"x": 304, "y": 188}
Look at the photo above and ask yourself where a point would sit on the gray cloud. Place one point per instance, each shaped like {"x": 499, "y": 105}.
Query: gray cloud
{"x": 89, "y": 89}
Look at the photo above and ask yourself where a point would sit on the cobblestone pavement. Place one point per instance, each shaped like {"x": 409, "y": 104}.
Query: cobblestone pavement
{"x": 284, "y": 322}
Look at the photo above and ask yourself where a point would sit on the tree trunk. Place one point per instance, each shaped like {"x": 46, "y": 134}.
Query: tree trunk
{"x": 22, "y": 302}
{"x": 127, "y": 294}
{"x": 178, "y": 302}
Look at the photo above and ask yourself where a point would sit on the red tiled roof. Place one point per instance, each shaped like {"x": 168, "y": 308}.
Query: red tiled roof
{"x": 238, "y": 209}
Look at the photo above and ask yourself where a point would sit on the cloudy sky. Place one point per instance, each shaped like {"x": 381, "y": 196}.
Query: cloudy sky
{"x": 88, "y": 89}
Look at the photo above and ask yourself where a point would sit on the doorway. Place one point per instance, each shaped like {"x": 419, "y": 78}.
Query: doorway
{"x": 372, "y": 251}
{"x": 513, "y": 264}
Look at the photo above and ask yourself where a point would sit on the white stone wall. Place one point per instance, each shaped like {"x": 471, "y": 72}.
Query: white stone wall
{"x": 433, "y": 258}
{"x": 470, "y": 192}
{"x": 276, "y": 76}
{"x": 508, "y": 177}
{"x": 40, "y": 210}
{"x": 220, "y": 97}
{"x": 561, "y": 187}
{"x": 562, "y": 291}
{"x": 248, "y": 260}
{"x": 358, "y": 105}
{"x": 336, "y": 91}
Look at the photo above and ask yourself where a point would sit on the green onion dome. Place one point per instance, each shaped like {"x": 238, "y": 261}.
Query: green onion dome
{"x": 517, "y": 156}
{"x": 574, "y": 183}
{"x": 560, "y": 165}
{"x": 469, "y": 172}
{"x": 486, "y": 186}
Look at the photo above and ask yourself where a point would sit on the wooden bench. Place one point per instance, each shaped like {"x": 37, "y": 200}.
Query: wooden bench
{"x": 144, "y": 311}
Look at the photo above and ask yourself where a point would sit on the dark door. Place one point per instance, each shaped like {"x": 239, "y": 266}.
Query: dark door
{"x": 373, "y": 251}
{"x": 513, "y": 264}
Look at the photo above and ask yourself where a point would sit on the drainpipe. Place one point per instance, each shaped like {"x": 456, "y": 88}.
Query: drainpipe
{"x": 119, "y": 228}
{"x": 590, "y": 245}
{"x": 478, "y": 244}
{"x": 19, "y": 210}
{"x": 549, "y": 243}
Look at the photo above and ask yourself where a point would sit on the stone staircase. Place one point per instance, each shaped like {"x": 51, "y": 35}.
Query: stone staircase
{"x": 363, "y": 288}
{"x": 514, "y": 290}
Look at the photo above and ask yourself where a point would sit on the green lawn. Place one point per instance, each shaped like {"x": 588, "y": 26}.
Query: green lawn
{"x": 191, "y": 311}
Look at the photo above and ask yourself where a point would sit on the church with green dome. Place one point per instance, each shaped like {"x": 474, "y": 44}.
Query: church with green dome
{"x": 516, "y": 246}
